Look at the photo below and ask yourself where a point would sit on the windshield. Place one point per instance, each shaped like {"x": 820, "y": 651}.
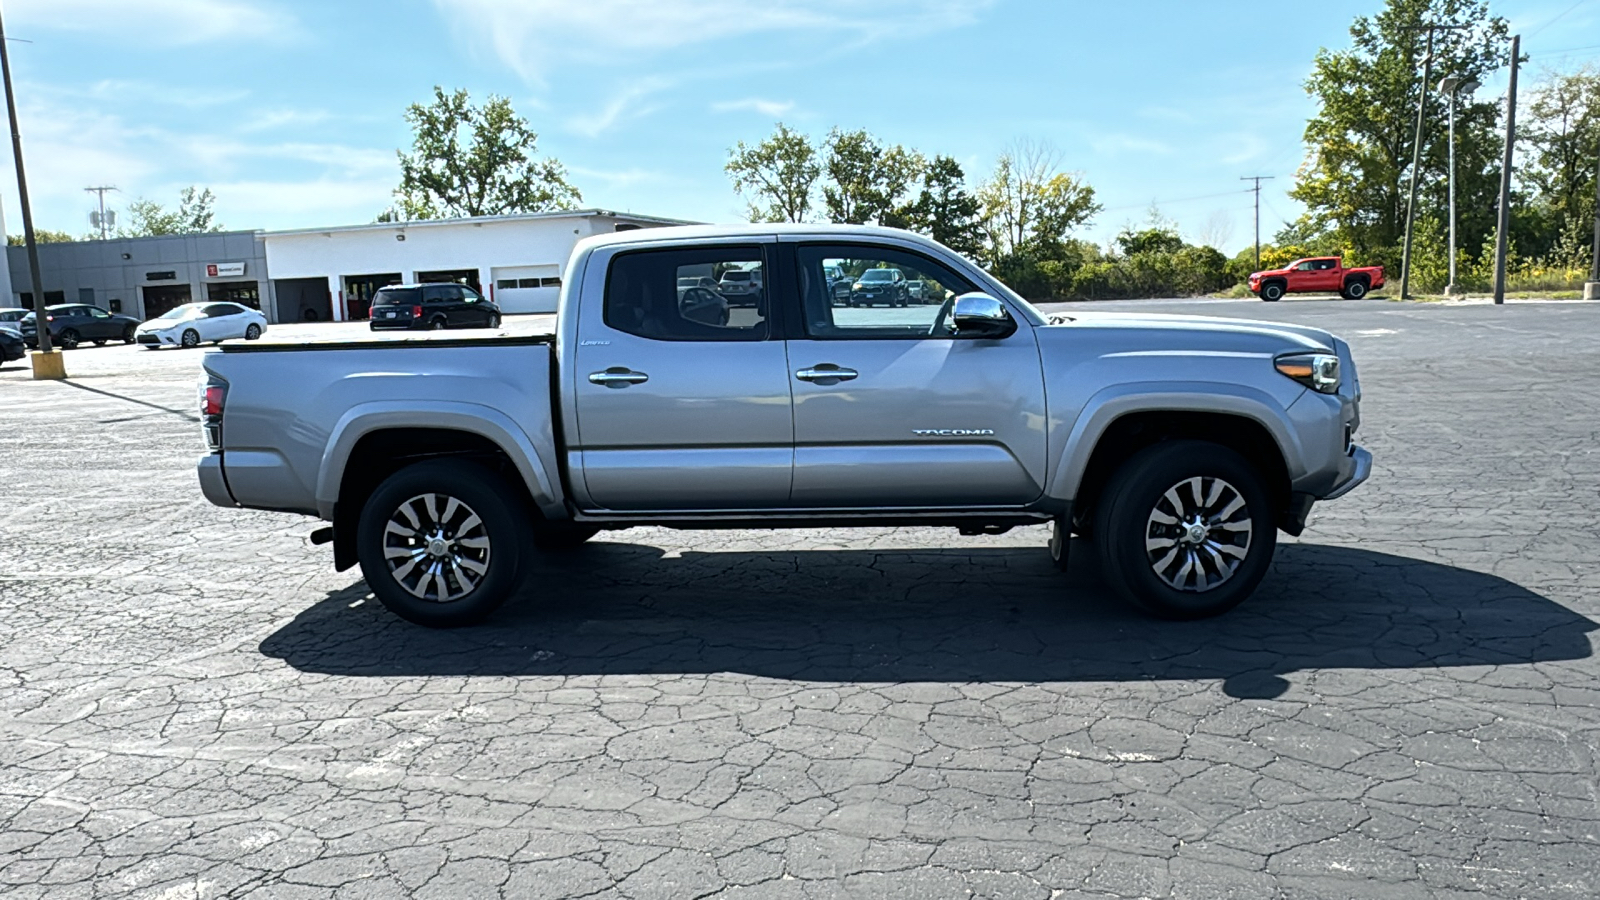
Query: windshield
{"x": 736, "y": 276}
{"x": 179, "y": 312}
{"x": 879, "y": 275}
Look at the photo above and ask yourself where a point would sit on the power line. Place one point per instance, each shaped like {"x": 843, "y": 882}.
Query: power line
{"x": 1169, "y": 202}
{"x": 1557, "y": 18}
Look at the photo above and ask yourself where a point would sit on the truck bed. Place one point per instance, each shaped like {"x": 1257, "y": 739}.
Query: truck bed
{"x": 419, "y": 339}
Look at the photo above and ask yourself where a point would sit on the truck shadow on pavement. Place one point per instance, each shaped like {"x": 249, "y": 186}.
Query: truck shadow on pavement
{"x": 962, "y": 615}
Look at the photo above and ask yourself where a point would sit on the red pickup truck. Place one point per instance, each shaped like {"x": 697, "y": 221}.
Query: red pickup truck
{"x": 1319, "y": 274}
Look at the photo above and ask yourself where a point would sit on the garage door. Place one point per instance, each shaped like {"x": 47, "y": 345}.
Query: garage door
{"x": 527, "y": 289}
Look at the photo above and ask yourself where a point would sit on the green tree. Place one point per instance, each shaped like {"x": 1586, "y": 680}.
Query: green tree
{"x": 944, "y": 210}
{"x": 866, "y": 180}
{"x": 1356, "y": 173}
{"x": 468, "y": 160}
{"x": 41, "y": 236}
{"x": 1028, "y": 207}
{"x": 776, "y": 176}
{"x": 195, "y": 215}
{"x": 1563, "y": 132}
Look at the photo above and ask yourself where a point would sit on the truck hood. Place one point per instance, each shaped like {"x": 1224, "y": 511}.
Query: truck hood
{"x": 1265, "y": 272}
{"x": 1177, "y": 332}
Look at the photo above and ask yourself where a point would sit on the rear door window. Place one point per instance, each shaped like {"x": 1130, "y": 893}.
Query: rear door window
{"x": 654, "y": 294}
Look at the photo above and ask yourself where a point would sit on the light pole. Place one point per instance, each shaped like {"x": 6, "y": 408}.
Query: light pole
{"x": 45, "y": 363}
{"x": 1451, "y": 86}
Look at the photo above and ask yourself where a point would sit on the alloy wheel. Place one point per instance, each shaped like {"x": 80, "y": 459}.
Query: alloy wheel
{"x": 436, "y": 547}
{"x": 1198, "y": 533}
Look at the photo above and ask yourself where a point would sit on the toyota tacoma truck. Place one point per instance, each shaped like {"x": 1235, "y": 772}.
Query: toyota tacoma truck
{"x": 1317, "y": 275}
{"x": 1175, "y": 446}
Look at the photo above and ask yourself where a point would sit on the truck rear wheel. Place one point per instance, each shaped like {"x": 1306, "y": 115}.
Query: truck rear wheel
{"x": 440, "y": 543}
{"x": 1272, "y": 292}
{"x": 1355, "y": 290}
{"x": 1185, "y": 530}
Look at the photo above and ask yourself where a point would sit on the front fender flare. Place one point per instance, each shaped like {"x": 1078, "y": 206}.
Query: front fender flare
{"x": 1119, "y": 400}
{"x": 484, "y": 421}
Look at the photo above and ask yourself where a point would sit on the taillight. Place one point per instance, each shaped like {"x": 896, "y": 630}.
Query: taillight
{"x": 416, "y": 312}
{"x": 213, "y": 395}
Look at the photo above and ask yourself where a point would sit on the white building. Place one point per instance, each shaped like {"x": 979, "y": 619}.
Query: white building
{"x": 316, "y": 274}
{"x": 516, "y": 261}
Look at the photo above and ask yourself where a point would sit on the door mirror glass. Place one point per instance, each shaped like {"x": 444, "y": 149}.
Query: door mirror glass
{"x": 982, "y": 316}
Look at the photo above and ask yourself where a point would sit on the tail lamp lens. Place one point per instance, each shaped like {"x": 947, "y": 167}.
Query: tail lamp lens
{"x": 416, "y": 312}
{"x": 213, "y": 398}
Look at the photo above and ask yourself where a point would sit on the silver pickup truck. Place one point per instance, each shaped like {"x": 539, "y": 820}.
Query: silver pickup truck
{"x": 1176, "y": 446}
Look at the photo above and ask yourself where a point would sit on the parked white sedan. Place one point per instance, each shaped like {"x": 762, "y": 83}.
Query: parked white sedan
{"x": 192, "y": 324}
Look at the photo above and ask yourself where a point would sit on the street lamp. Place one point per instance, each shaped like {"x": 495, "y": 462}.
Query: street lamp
{"x": 1451, "y": 86}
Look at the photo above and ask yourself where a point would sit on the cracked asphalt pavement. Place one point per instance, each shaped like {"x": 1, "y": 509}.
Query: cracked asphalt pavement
{"x": 193, "y": 704}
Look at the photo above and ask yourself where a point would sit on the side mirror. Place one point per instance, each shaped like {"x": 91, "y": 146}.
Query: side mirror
{"x": 982, "y": 316}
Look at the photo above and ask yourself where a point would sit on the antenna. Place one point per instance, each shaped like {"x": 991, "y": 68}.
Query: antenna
{"x": 100, "y": 219}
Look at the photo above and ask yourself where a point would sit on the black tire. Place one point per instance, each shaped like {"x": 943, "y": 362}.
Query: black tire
{"x": 191, "y": 338}
{"x": 252, "y": 332}
{"x": 1126, "y": 523}
{"x": 564, "y": 536}
{"x": 501, "y": 526}
{"x": 128, "y": 335}
{"x": 436, "y": 325}
{"x": 495, "y": 322}
{"x": 69, "y": 339}
{"x": 1355, "y": 290}
{"x": 1272, "y": 292}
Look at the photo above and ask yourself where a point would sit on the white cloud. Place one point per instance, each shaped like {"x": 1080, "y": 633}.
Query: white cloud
{"x": 301, "y": 204}
{"x": 772, "y": 109}
{"x": 622, "y": 107}
{"x": 69, "y": 143}
{"x": 1117, "y": 144}
{"x": 158, "y": 22}
{"x": 531, "y": 36}
{"x": 276, "y": 119}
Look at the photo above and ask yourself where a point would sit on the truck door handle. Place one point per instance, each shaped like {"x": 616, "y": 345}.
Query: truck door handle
{"x": 826, "y": 373}
{"x": 618, "y": 377}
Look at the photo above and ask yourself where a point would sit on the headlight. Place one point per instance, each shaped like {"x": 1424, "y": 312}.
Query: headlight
{"x": 856, "y": 286}
{"x": 1318, "y": 371}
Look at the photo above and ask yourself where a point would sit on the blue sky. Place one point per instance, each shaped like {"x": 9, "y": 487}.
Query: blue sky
{"x": 291, "y": 111}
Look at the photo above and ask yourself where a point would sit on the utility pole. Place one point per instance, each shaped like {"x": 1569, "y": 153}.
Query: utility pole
{"x": 1416, "y": 163}
{"x": 101, "y": 221}
{"x": 1591, "y": 291}
{"x": 1257, "y": 179}
{"x": 45, "y": 363}
{"x": 1502, "y": 232}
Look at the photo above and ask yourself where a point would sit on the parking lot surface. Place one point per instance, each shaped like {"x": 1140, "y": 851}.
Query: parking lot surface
{"x": 194, "y": 704}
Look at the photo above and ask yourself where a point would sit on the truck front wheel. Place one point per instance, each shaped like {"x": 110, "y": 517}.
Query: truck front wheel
{"x": 439, "y": 543}
{"x": 1184, "y": 530}
{"x": 1272, "y": 292}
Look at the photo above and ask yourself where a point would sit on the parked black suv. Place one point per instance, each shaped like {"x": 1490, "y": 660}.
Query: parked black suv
{"x": 432, "y": 307}
{"x": 10, "y": 347}
{"x": 73, "y": 323}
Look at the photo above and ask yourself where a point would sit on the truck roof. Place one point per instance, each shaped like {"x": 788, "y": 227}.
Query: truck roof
{"x": 750, "y": 229}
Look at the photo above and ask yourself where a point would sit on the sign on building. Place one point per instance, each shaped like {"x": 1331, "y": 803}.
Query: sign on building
{"x": 225, "y": 270}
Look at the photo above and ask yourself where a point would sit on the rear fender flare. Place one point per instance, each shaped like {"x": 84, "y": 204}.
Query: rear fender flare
{"x": 1114, "y": 402}
{"x": 473, "y": 418}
